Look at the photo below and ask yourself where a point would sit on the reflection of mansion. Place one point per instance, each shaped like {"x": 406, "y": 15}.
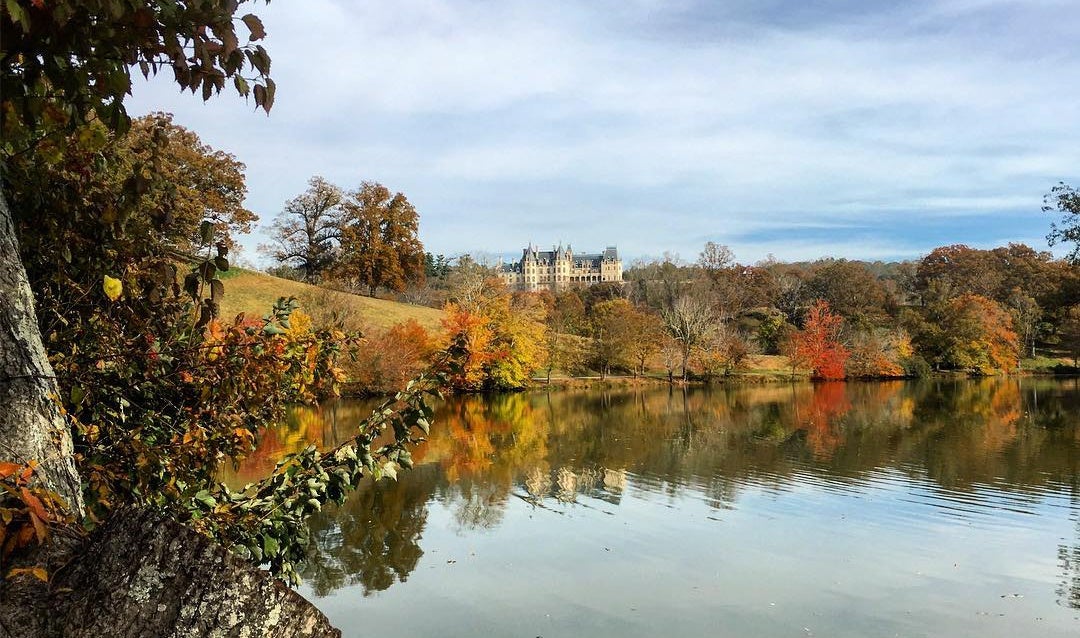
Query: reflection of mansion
{"x": 561, "y": 268}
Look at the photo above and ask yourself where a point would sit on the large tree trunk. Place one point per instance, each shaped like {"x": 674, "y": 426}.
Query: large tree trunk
{"x": 32, "y": 427}
{"x": 143, "y": 575}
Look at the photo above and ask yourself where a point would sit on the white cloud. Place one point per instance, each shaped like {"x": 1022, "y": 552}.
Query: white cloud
{"x": 670, "y": 115}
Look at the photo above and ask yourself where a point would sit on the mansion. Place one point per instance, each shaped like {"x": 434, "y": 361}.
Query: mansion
{"x": 561, "y": 268}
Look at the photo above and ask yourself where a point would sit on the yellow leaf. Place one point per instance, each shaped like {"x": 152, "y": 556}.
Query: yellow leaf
{"x": 113, "y": 288}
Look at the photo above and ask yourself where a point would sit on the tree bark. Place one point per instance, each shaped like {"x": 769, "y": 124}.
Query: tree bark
{"x": 32, "y": 426}
{"x": 143, "y": 575}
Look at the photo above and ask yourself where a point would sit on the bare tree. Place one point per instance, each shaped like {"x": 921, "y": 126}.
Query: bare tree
{"x": 1027, "y": 316}
{"x": 716, "y": 257}
{"x": 307, "y": 229}
{"x": 473, "y": 284}
{"x": 689, "y": 319}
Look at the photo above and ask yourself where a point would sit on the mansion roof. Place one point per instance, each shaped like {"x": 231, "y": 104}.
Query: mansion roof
{"x": 580, "y": 260}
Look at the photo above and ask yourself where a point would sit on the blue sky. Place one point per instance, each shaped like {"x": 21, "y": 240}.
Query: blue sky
{"x": 861, "y": 129}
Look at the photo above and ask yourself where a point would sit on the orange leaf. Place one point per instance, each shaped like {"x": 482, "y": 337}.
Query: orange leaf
{"x": 7, "y": 469}
{"x": 35, "y": 505}
{"x": 40, "y": 530}
{"x": 37, "y": 572}
{"x": 29, "y": 471}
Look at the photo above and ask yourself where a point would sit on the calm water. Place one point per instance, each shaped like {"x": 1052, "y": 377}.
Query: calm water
{"x": 876, "y": 509}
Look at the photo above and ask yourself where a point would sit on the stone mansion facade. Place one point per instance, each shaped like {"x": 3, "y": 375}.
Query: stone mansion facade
{"x": 561, "y": 268}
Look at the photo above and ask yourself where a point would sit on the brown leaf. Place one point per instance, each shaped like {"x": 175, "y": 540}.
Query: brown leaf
{"x": 260, "y": 96}
{"x": 255, "y": 25}
{"x": 271, "y": 89}
{"x": 217, "y": 289}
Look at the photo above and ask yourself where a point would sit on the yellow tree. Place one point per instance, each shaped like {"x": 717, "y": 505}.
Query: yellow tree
{"x": 504, "y": 342}
{"x": 612, "y": 328}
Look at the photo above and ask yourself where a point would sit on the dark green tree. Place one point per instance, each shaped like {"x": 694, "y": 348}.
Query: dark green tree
{"x": 1065, "y": 200}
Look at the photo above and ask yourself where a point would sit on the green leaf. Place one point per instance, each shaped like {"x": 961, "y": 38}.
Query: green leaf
{"x": 221, "y": 263}
{"x": 18, "y": 14}
{"x": 205, "y": 498}
{"x": 241, "y": 85}
{"x": 206, "y": 231}
{"x": 270, "y": 546}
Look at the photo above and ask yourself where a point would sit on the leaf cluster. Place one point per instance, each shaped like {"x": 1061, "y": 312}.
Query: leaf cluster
{"x": 28, "y": 512}
{"x": 72, "y": 60}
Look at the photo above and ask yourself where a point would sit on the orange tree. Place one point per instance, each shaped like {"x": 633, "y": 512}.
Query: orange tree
{"x": 501, "y": 338}
{"x": 379, "y": 243}
{"x": 613, "y": 334}
{"x": 818, "y": 343}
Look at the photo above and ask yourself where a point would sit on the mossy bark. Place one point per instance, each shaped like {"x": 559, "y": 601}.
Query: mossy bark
{"x": 143, "y": 575}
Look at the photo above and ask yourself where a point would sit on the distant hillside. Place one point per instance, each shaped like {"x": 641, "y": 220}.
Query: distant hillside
{"x": 254, "y": 293}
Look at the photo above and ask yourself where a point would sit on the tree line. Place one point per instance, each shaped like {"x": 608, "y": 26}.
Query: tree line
{"x": 958, "y": 309}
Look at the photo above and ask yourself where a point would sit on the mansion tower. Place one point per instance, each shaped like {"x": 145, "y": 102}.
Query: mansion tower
{"x": 560, "y": 268}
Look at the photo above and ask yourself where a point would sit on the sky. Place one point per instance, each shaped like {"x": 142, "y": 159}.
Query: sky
{"x": 800, "y": 128}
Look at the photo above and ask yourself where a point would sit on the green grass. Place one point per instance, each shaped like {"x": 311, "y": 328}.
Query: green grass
{"x": 1044, "y": 363}
{"x": 254, "y": 294}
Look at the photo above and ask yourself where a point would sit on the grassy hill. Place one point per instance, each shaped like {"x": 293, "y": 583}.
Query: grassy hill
{"x": 254, "y": 293}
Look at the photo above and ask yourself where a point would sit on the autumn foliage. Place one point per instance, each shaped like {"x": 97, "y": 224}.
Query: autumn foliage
{"x": 504, "y": 342}
{"x": 877, "y": 354}
{"x": 818, "y": 343}
{"x": 388, "y": 358}
{"x": 969, "y": 332}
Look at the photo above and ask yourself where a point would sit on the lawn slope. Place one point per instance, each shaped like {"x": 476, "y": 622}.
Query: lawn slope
{"x": 254, "y": 294}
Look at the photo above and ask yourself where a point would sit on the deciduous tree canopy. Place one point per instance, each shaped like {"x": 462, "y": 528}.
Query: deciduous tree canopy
{"x": 380, "y": 247}
{"x": 307, "y": 231}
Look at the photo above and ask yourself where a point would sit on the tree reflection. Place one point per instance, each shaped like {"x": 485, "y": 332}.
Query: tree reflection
{"x": 373, "y": 539}
{"x": 567, "y": 448}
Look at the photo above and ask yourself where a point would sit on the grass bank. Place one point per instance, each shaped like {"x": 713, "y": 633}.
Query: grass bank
{"x": 254, "y": 294}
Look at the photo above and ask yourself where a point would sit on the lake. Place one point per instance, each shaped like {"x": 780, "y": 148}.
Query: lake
{"x": 936, "y": 508}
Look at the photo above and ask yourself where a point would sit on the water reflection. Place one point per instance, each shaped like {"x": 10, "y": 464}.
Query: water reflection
{"x": 967, "y": 451}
